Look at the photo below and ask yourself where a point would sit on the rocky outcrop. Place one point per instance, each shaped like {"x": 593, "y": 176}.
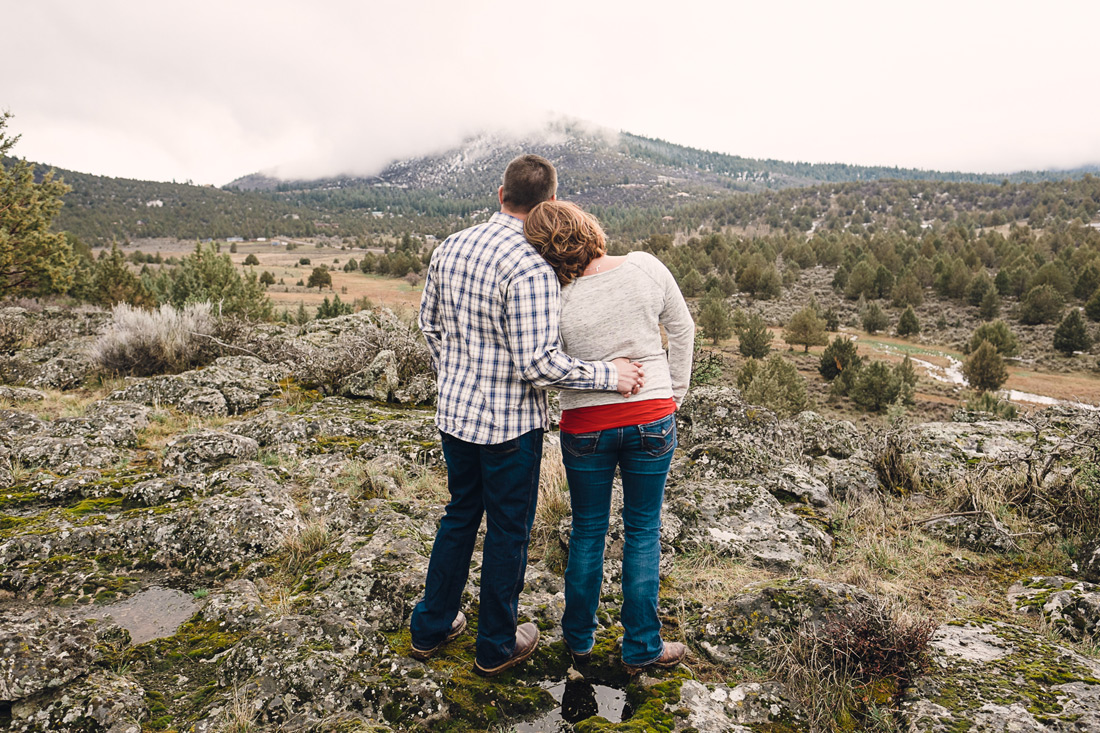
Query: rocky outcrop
{"x": 42, "y": 650}
{"x": 999, "y": 677}
{"x": 230, "y": 386}
{"x": 1070, "y": 607}
{"x": 738, "y": 631}
{"x": 744, "y": 519}
{"x": 980, "y": 533}
{"x": 103, "y": 701}
{"x": 207, "y": 450}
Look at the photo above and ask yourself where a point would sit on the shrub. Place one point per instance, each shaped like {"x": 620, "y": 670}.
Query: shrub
{"x": 167, "y": 340}
{"x": 777, "y": 385}
{"x": 990, "y": 404}
{"x": 1071, "y": 334}
{"x": 1042, "y": 304}
{"x": 996, "y": 333}
{"x": 850, "y": 669}
{"x": 252, "y": 260}
{"x": 984, "y": 369}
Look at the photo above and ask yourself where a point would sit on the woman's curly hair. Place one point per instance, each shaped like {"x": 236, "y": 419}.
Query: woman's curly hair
{"x": 566, "y": 237}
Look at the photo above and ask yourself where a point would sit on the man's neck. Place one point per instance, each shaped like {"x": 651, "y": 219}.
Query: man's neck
{"x": 513, "y": 214}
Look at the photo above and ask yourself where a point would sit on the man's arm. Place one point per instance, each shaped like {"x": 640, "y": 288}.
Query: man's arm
{"x": 428, "y": 319}
{"x": 532, "y": 311}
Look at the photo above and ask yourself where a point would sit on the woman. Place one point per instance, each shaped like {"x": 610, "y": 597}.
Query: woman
{"x": 612, "y": 307}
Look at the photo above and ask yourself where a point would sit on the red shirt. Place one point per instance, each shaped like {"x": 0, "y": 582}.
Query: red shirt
{"x": 605, "y": 417}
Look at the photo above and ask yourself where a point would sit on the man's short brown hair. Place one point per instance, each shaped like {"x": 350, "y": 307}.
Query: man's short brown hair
{"x": 528, "y": 181}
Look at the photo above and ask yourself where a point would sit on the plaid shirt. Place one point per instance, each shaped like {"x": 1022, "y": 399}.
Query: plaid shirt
{"x": 490, "y": 314}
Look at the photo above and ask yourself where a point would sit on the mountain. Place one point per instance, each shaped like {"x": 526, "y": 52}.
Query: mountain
{"x": 636, "y": 185}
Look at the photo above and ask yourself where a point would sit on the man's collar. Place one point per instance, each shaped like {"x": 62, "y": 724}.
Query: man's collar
{"x": 507, "y": 220}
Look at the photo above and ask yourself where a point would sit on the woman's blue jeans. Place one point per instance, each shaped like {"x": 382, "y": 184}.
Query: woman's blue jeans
{"x": 643, "y": 453}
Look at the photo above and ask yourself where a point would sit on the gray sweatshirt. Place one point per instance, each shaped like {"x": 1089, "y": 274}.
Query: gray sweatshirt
{"x": 616, "y": 313}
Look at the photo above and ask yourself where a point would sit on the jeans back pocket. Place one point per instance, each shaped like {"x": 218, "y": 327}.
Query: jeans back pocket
{"x": 658, "y": 437}
{"x": 580, "y": 444}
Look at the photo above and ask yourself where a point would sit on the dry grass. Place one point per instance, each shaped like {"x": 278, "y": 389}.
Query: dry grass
{"x": 58, "y": 404}
{"x": 241, "y": 712}
{"x": 305, "y": 543}
{"x": 553, "y": 506}
{"x": 709, "y": 578}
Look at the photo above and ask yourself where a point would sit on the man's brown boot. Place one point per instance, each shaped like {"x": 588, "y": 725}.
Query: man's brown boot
{"x": 672, "y": 655}
{"x": 457, "y": 627}
{"x": 527, "y": 639}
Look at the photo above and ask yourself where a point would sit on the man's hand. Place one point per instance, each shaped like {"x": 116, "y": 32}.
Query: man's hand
{"x": 631, "y": 376}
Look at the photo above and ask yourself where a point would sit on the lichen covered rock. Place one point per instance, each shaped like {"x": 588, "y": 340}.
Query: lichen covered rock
{"x": 206, "y": 450}
{"x": 998, "y": 677}
{"x": 41, "y": 650}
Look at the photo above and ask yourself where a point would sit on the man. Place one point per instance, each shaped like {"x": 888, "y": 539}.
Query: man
{"x": 490, "y": 316}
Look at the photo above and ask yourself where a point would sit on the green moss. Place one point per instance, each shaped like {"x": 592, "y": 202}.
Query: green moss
{"x": 653, "y": 709}
{"x": 16, "y": 499}
{"x": 95, "y": 506}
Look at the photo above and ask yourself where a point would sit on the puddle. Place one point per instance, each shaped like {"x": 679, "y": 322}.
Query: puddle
{"x": 578, "y": 700}
{"x": 153, "y": 613}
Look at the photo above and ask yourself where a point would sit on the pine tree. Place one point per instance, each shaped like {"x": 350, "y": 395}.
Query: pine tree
{"x": 777, "y": 385}
{"x": 1042, "y": 304}
{"x": 984, "y": 369}
{"x": 874, "y": 319}
{"x": 753, "y": 338}
{"x": 714, "y": 319}
{"x": 908, "y": 323}
{"x": 319, "y": 278}
{"x": 1071, "y": 334}
{"x": 251, "y": 259}
{"x": 990, "y": 305}
{"x": 1092, "y": 307}
{"x": 806, "y": 329}
{"x": 996, "y": 333}
{"x": 875, "y": 387}
{"x": 113, "y": 282}
{"x": 33, "y": 259}
{"x": 839, "y": 356}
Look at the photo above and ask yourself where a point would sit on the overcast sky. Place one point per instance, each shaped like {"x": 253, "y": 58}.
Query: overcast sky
{"x": 209, "y": 91}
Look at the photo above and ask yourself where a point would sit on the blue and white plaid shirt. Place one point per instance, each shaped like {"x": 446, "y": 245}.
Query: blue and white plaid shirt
{"x": 490, "y": 314}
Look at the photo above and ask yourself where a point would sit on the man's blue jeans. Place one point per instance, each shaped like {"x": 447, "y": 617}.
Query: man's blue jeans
{"x": 643, "y": 453}
{"x": 500, "y": 481}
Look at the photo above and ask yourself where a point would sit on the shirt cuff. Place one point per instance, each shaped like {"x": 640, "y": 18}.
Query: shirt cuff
{"x": 607, "y": 376}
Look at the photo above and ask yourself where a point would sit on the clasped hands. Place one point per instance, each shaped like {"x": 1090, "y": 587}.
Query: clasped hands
{"x": 631, "y": 376}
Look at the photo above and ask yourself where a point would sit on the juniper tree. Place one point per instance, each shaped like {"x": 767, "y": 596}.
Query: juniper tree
{"x": 908, "y": 323}
{"x": 806, "y": 328}
{"x": 1071, "y": 334}
{"x": 714, "y": 319}
{"x": 996, "y": 333}
{"x": 984, "y": 369}
{"x": 753, "y": 338}
{"x": 1042, "y": 304}
{"x": 33, "y": 259}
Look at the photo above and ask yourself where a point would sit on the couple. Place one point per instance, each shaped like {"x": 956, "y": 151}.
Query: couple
{"x": 491, "y": 312}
